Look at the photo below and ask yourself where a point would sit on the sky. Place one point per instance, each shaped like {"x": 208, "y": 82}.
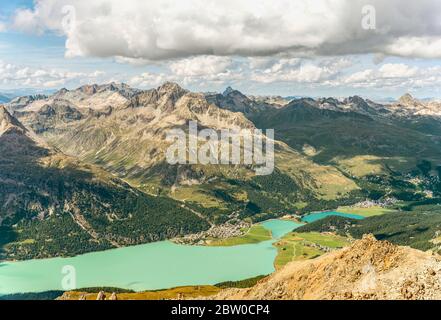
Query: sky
{"x": 371, "y": 48}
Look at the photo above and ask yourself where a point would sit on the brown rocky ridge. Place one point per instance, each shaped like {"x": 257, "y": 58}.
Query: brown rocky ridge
{"x": 367, "y": 270}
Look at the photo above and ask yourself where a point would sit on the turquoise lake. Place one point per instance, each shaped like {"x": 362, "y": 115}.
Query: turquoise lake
{"x": 151, "y": 266}
{"x": 321, "y": 215}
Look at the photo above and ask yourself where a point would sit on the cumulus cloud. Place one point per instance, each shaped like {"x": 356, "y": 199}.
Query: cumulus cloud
{"x": 197, "y": 71}
{"x": 148, "y": 80}
{"x": 393, "y": 75}
{"x": 201, "y": 66}
{"x": 334, "y": 72}
{"x": 422, "y": 47}
{"x": 397, "y": 70}
{"x": 168, "y": 29}
{"x": 12, "y": 75}
{"x": 300, "y": 70}
{"x": 256, "y": 42}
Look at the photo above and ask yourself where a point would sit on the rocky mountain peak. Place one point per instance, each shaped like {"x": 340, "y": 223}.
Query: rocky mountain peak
{"x": 171, "y": 87}
{"x": 7, "y": 121}
{"x": 93, "y": 89}
{"x": 123, "y": 89}
{"x": 356, "y": 99}
{"x": 6, "y": 117}
{"x": 407, "y": 99}
{"x": 330, "y": 100}
{"x": 4, "y": 114}
{"x": 235, "y": 94}
{"x": 168, "y": 94}
{"x": 62, "y": 91}
{"x": 118, "y": 86}
{"x": 21, "y": 102}
{"x": 89, "y": 89}
{"x": 228, "y": 91}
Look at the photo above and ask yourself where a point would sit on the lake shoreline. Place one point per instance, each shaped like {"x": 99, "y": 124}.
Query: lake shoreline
{"x": 152, "y": 266}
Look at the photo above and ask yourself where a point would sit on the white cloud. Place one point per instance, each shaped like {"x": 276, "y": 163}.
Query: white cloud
{"x": 422, "y": 47}
{"x": 148, "y": 80}
{"x": 201, "y": 66}
{"x": 12, "y": 75}
{"x": 205, "y": 71}
{"x": 393, "y": 75}
{"x": 54, "y": 83}
{"x": 200, "y": 72}
{"x": 132, "y": 61}
{"x": 260, "y": 62}
{"x": 301, "y": 70}
{"x": 359, "y": 77}
{"x": 397, "y": 70}
{"x": 168, "y": 29}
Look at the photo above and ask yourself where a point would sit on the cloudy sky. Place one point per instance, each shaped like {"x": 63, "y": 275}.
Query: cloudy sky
{"x": 373, "y": 48}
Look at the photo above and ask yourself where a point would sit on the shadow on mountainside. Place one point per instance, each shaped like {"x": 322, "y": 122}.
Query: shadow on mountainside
{"x": 64, "y": 208}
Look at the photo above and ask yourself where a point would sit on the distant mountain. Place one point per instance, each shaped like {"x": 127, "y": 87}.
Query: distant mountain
{"x": 353, "y": 129}
{"x": 408, "y": 106}
{"x": 6, "y": 95}
{"x": 236, "y": 101}
{"x": 382, "y": 148}
{"x": 275, "y": 101}
{"x": 20, "y": 102}
{"x": 94, "y": 97}
{"x": 54, "y": 205}
{"x": 228, "y": 91}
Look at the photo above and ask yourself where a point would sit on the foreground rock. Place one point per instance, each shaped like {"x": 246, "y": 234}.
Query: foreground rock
{"x": 369, "y": 269}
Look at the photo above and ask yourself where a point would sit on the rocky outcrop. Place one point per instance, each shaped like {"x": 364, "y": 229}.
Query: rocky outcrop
{"x": 8, "y": 122}
{"x": 369, "y": 269}
{"x": 101, "y": 296}
{"x": 113, "y": 297}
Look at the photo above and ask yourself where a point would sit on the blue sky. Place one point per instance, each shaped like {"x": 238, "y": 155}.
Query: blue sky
{"x": 285, "y": 49}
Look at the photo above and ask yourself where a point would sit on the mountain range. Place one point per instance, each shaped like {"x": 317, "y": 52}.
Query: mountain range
{"x": 91, "y": 161}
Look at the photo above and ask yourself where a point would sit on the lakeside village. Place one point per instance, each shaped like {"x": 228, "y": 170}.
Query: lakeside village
{"x": 237, "y": 228}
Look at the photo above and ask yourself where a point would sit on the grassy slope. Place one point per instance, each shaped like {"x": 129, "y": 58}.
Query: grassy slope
{"x": 366, "y": 212}
{"x": 300, "y": 246}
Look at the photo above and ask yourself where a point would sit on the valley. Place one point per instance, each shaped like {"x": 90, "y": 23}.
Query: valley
{"x": 85, "y": 182}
